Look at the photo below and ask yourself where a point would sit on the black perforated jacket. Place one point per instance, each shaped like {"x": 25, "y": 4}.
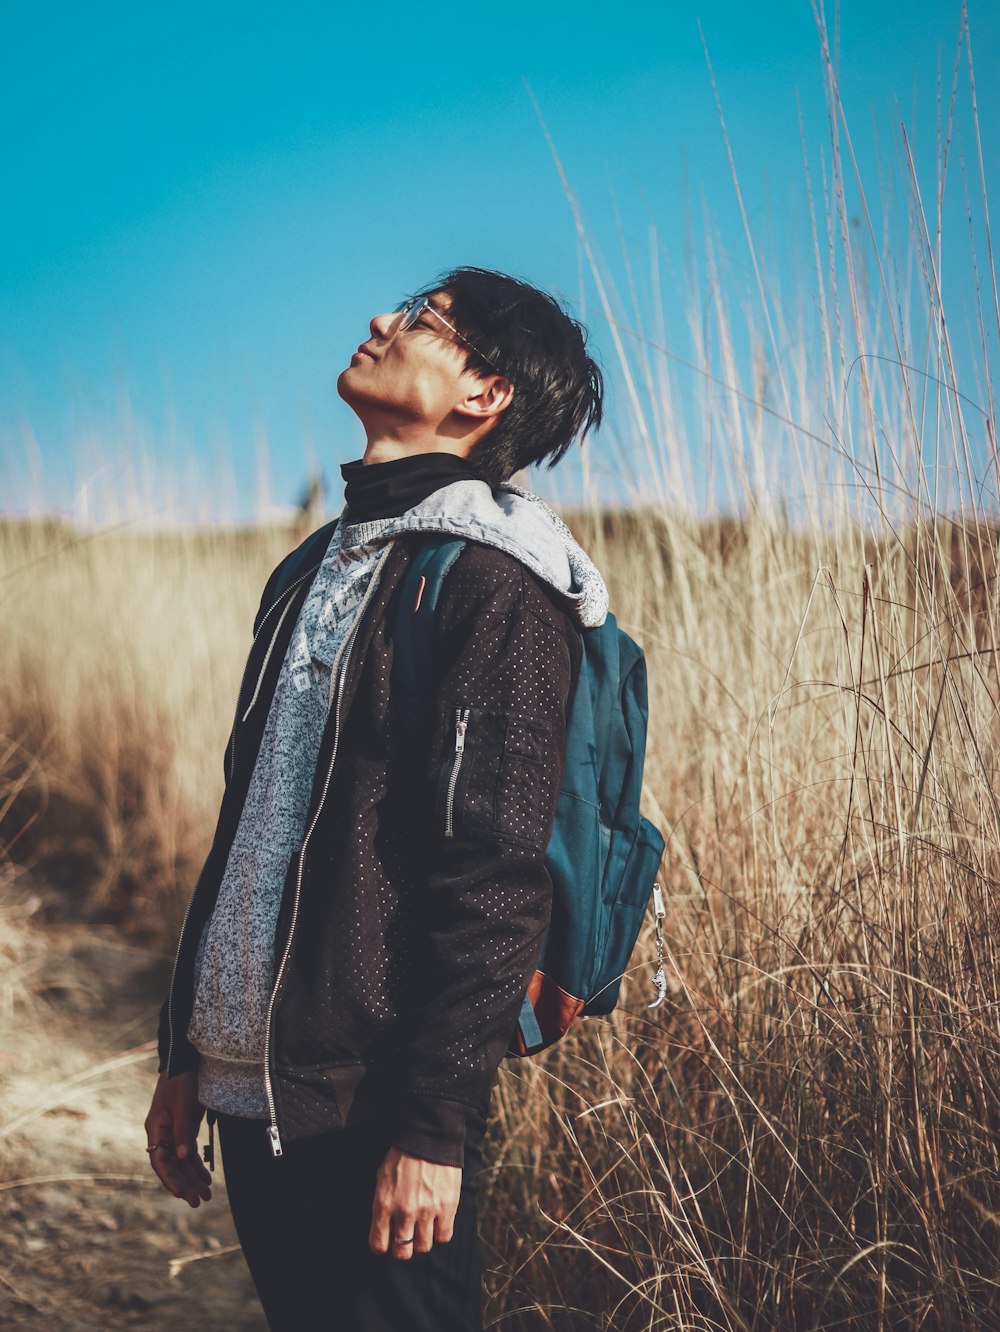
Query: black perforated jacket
{"x": 414, "y": 913}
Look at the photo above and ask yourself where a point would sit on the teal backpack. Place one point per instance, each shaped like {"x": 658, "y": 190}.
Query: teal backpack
{"x": 603, "y": 855}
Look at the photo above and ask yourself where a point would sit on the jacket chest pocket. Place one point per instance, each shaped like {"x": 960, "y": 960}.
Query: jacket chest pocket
{"x": 524, "y": 800}
{"x": 455, "y": 775}
{"x": 495, "y": 778}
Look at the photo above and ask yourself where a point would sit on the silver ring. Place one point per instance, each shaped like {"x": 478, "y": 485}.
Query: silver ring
{"x": 163, "y": 1143}
{"x": 398, "y": 1239}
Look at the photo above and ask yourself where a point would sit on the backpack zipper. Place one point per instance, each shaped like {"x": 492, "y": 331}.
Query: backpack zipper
{"x": 461, "y": 726}
{"x": 340, "y": 673}
{"x": 232, "y": 769}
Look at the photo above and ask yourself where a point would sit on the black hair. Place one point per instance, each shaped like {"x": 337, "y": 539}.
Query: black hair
{"x": 530, "y": 338}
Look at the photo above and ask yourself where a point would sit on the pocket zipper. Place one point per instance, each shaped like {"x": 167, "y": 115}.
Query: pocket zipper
{"x": 461, "y": 724}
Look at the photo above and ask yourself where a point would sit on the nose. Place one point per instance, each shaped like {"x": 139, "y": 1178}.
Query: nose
{"x": 381, "y": 325}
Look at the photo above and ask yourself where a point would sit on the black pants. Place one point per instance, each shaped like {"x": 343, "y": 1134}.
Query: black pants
{"x": 303, "y": 1221}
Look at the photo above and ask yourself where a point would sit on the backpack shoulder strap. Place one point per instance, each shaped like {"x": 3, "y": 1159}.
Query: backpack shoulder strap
{"x": 413, "y": 629}
{"x": 311, "y": 551}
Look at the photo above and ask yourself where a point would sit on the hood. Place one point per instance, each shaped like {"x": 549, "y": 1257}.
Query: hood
{"x": 513, "y": 520}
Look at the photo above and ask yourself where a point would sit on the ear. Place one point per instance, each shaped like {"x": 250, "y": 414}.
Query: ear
{"x": 492, "y": 396}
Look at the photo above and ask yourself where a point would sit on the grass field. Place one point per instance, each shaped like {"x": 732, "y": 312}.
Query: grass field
{"x": 805, "y": 1134}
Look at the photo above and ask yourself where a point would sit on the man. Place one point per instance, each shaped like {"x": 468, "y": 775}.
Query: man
{"x": 355, "y": 952}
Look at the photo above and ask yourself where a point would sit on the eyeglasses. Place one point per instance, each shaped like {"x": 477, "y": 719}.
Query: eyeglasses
{"x": 412, "y": 310}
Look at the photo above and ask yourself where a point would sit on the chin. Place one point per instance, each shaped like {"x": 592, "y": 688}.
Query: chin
{"x": 344, "y": 384}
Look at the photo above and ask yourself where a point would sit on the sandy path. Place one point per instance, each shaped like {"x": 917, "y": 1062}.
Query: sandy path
{"x": 89, "y": 1239}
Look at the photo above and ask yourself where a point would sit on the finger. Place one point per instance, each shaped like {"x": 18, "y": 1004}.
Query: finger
{"x": 378, "y": 1234}
{"x": 403, "y": 1224}
{"x": 444, "y": 1227}
{"x": 191, "y": 1189}
{"x": 194, "y": 1185}
{"x": 423, "y": 1236}
{"x": 200, "y": 1169}
{"x": 186, "y": 1135}
{"x": 166, "y": 1171}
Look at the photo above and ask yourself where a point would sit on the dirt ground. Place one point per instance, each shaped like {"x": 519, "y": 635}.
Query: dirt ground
{"x": 89, "y": 1239}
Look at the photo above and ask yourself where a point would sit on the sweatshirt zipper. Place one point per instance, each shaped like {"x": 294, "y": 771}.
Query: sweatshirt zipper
{"x": 461, "y": 725}
{"x": 273, "y": 1136}
{"x": 232, "y": 768}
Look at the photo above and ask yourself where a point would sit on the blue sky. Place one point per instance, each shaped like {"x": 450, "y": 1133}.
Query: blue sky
{"x": 204, "y": 204}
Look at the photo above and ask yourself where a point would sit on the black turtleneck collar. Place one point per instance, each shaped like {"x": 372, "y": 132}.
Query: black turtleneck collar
{"x": 387, "y": 489}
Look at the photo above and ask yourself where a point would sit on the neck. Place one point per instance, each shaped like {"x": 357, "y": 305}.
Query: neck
{"x": 380, "y": 449}
{"x": 395, "y": 435}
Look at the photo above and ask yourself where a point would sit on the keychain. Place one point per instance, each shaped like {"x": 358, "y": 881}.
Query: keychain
{"x": 660, "y": 975}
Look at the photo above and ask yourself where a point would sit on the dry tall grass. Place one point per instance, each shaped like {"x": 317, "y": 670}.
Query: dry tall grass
{"x": 120, "y": 664}
{"x": 805, "y": 1135}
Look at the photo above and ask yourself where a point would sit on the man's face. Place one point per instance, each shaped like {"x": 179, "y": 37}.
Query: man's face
{"x": 416, "y": 377}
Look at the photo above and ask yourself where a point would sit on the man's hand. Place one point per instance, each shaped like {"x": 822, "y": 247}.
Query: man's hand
{"x": 413, "y": 1198}
{"x": 174, "y": 1116}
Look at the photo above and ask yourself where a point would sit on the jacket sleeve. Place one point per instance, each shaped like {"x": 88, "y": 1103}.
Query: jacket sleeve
{"x": 505, "y": 660}
{"x": 162, "y": 1039}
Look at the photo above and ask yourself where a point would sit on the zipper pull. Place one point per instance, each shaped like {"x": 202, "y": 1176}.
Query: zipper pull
{"x": 461, "y": 725}
{"x": 273, "y": 1139}
{"x": 208, "y": 1151}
